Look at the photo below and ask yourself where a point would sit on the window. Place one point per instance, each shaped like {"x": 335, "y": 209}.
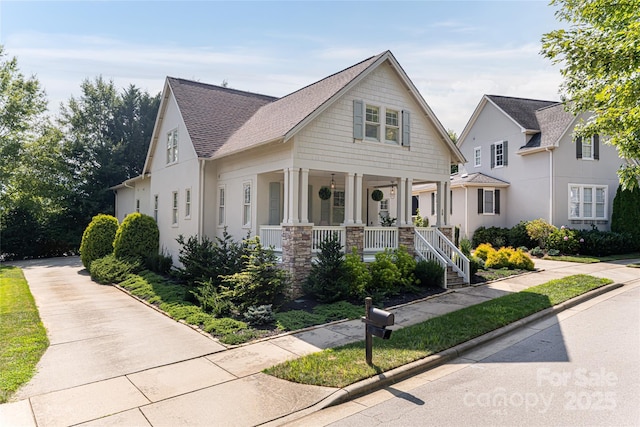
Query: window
{"x": 138, "y": 205}
{"x": 392, "y": 129}
{"x": 488, "y": 201}
{"x": 246, "y": 204}
{"x": 499, "y": 154}
{"x": 174, "y": 208}
{"x": 587, "y": 148}
{"x": 372, "y": 123}
{"x": 338, "y": 206}
{"x": 384, "y": 205}
{"x": 155, "y": 207}
{"x": 221, "y": 206}
{"x": 587, "y": 202}
{"x": 477, "y": 157}
{"x": 172, "y": 146}
{"x": 187, "y": 203}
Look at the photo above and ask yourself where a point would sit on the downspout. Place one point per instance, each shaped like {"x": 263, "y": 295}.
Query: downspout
{"x": 201, "y": 200}
{"x": 548, "y": 149}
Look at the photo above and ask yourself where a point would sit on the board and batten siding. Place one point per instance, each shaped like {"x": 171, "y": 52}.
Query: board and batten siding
{"x": 329, "y": 138}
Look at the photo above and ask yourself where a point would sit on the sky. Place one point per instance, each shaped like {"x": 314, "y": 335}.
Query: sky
{"x": 453, "y": 51}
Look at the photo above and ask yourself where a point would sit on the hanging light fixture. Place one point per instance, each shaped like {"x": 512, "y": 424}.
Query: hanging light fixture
{"x": 393, "y": 190}
{"x": 333, "y": 183}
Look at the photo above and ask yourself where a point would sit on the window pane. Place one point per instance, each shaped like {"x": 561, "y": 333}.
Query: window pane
{"x": 392, "y": 134}
{"x": 488, "y": 201}
{"x": 373, "y": 114}
{"x": 392, "y": 118}
{"x": 371, "y": 131}
{"x": 499, "y": 155}
{"x": 600, "y": 198}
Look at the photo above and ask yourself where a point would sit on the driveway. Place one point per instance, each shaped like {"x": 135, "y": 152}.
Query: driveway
{"x": 97, "y": 332}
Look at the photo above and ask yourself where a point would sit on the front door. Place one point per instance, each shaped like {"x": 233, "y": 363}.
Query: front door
{"x": 275, "y": 216}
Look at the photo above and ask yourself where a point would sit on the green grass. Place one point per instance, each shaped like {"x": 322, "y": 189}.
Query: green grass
{"x": 491, "y": 274}
{"x": 573, "y": 258}
{"x": 345, "y": 365}
{"x": 324, "y": 313}
{"x": 23, "y": 338}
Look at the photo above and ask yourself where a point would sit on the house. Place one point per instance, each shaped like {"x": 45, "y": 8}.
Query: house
{"x": 252, "y": 164}
{"x": 524, "y": 163}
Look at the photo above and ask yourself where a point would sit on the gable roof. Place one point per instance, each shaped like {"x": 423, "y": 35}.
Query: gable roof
{"x": 521, "y": 110}
{"x": 476, "y": 179}
{"x": 213, "y": 113}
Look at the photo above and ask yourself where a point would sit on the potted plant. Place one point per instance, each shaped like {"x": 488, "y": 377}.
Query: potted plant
{"x": 324, "y": 193}
{"x": 377, "y": 195}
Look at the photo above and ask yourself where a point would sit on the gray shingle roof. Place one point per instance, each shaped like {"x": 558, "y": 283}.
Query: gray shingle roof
{"x": 554, "y": 121}
{"x": 522, "y": 110}
{"x": 213, "y": 113}
{"x": 473, "y": 179}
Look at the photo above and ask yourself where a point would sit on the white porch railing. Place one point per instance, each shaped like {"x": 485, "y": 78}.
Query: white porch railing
{"x": 457, "y": 260}
{"x": 271, "y": 235}
{"x": 321, "y": 233}
{"x": 377, "y": 239}
{"x": 426, "y": 251}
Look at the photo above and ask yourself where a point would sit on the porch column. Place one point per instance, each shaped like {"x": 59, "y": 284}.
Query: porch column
{"x": 348, "y": 199}
{"x": 401, "y": 208}
{"x": 294, "y": 190}
{"x": 359, "y": 198}
{"x": 285, "y": 214}
{"x": 304, "y": 196}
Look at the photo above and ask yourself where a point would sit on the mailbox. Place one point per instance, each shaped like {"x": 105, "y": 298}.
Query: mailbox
{"x": 380, "y": 318}
{"x": 376, "y": 322}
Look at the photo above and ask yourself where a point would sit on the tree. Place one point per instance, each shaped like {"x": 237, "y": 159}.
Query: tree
{"x": 600, "y": 58}
{"x": 454, "y": 139}
{"x": 625, "y": 217}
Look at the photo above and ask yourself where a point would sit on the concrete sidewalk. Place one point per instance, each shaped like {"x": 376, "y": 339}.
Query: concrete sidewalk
{"x": 114, "y": 361}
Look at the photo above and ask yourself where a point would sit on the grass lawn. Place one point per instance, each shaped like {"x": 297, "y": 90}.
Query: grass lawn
{"x": 23, "y": 339}
{"x": 592, "y": 259}
{"x": 341, "y": 366}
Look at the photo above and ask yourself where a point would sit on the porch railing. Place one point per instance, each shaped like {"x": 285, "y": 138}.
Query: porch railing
{"x": 458, "y": 261}
{"x": 321, "y": 233}
{"x": 426, "y": 251}
{"x": 271, "y": 235}
{"x": 377, "y": 239}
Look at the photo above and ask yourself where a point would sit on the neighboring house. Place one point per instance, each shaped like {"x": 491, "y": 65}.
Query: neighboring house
{"x": 524, "y": 163}
{"x": 222, "y": 158}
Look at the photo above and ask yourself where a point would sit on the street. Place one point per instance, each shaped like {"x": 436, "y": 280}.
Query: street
{"x": 580, "y": 368}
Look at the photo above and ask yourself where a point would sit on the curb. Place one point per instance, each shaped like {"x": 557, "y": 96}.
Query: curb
{"x": 398, "y": 374}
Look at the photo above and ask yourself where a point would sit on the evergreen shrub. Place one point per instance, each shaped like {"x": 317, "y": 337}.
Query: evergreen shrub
{"x": 429, "y": 274}
{"x": 109, "y": 269}
{"x": 327, "y": 281}
{"x": 136, "y": 238}
{"x": 97, "y": 239}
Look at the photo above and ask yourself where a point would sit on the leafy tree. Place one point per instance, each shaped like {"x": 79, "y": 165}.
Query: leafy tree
{"x": 600, "y": 57}
{"x": 454, "y": 139}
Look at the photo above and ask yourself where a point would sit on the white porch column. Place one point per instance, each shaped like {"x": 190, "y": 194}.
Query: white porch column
{"x": 359, "y": 198}
{"x": 408, "y": 201}
{"x": 439, "y": 191}
{"x": 348, "y": 199}
{"x": 294, "y": 190}
{"x": 401, "y": 207}
{"x": 304, "y": 197}
{"x": 285, "y": 214}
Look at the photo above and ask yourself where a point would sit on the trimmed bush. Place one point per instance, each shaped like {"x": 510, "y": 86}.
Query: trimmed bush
{"x": 499, "y": 258}
{"x": 97, "y": 239}
{"x": 603, "y": 243}
{"x": 521, "y": 261}
{"x": 327, "y": 280}
{"x": 495, "y": 236}
{"x": 109, "y": 269}
{"x": 136, "y": 238}
{"x": 429, "y": 273}
{"x": 483, "y": 251}
{"x": 357, "y": 274}
{"x": 406, "y": 266}
{"x": 385, "y": 275}
{"x": 260, "y": 315}
{"x": 518, "y": 236}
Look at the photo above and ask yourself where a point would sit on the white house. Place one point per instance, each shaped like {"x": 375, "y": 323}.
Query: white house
{"x": 524, "y": 163}
{"x": 254, "y": 164}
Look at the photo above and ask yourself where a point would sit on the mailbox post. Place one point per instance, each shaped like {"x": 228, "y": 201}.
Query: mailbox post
{"x": 376, "y": 321}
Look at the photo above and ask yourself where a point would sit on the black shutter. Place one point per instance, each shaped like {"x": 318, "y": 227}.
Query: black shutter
{"x": 579, "y": 147}
{"x": 496, "y": 202}
{"x": 596, "y": 147}
{"x": 433, "y": 203}
{"x": 415, "y": 203}
{"x": 493, "y": 156}
{"x": 358, "y": 119}
{"x": 505, "y": 152}
{"x": 480, "y": 200}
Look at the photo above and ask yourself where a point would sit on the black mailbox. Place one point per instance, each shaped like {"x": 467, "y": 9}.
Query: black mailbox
{"x": 380, "y": 318}
{"x": 376, "y": 322}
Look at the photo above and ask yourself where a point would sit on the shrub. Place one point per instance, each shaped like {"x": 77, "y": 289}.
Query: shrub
{"x": 385, "y": 275}
{"x": 553, "y": 252}
{"x": 97, "y": 239}
{"x": 429, "y": 273}
{"x": 259, "y": 315}
{"x": 518, "y": 236}
{"x": 465, "y": 247}
{"x": 521, "y": 260}
{"x": 602, "y": 243}
{"x": 137, "y": 237}
{"x": 224, "y": 326}
{"x": 495, "y": 236}
{"x": 211, "y": 300}
{"x": 261, "y": 282}
{"x": 109, "y": 269}
{"x": 475, "y": 264}
{"x": 539, "y": 230}
{"x": 206, "y": 260}
{"x": 420, "y": 221}
{"x": 357, "y": 274}
{"x": 564, "y": 240}
{"x": 159, "y": 263}
{"x": 406, "y": 266}
{"x": 327, "y": 280}
{"x": 625, "y": 217}
{"x": 483, "y": 251}
{"x": 499, "y": 258}
{"x": 537, "y": 251}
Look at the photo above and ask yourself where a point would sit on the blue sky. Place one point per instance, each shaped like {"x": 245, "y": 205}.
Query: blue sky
{"x": 454, "y": 51}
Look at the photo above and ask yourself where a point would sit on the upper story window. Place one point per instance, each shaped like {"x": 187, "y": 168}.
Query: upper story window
{"x": 477, "y": 157}
{"x": 499, "y": 154}
{"x": 372, "y": 123}
{"x": 172, "y": 146}
{"x": 588, "y": 148}
{"x": 246, "y": 204}
{"x": 392, "y": 129}
{"x": 587, "y": 201}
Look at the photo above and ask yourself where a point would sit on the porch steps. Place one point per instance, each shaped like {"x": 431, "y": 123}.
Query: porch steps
{"x": 454, "y": 281}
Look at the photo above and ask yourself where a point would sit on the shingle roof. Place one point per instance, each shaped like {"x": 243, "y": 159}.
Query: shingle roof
{"x": 554, "y": 121}
{"x": 474, "y": 180}
{"x": 275, "y": 120}
{"x": 213, "y": 113}
{"x": 522, "y": 110}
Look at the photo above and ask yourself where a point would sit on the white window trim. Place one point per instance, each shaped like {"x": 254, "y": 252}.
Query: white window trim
{"x": 188, "y": 203}
{"x": 477, "y": 159}
{"x": 396, "y": 127}
{"x": 172, "y": 151}
{"x": 222, "y": 207}
{"x": 175, "y": 208}
{"x": 484, "y": 206}
{"x": 594, "y": 188}
{"x": 378, "y": 123}
{"x": 495, "y": 154}
{"x": 246, "y": 222}
{"x": 382, "y": 124}
{"x": 590, "y": 145}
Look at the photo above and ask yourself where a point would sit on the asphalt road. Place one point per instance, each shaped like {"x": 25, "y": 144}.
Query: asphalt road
{"x": 580, "y": 369}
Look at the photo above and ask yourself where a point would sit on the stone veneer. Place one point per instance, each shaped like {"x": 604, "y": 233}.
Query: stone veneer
{"x": 447, "y": 230}
{"x": 296, "y": 254}
{"x": 354, "y": 238}
{"x": 406, "y": 238}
